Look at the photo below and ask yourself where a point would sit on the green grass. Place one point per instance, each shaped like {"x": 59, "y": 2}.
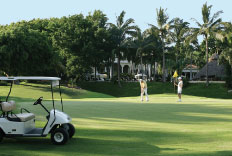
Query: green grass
{"x": 31, "y": 92}
{"x": 132, "y": 89}
{"x": 198, "y": 126}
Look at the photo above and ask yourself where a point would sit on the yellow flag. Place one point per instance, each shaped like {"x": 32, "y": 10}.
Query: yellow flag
{"x": 175, "y": 74}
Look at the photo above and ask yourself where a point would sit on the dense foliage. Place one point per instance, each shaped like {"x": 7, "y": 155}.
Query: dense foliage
{"x": 77, "y": 45}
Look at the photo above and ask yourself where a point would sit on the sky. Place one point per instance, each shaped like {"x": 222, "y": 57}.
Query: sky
{"x": 142, "y": 11}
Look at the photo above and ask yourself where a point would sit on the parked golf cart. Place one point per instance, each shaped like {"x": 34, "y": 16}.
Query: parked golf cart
{"x": 23, "y": 124}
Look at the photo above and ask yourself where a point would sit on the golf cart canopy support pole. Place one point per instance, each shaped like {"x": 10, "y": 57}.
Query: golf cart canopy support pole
{"x": 53, "y": 103}
{"x": 61, "y": 101}
{"x": 11, "y": 84}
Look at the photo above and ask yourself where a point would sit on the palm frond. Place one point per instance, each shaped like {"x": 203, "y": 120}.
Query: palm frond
{"x": 151, "y": 25}
{"x": 162, "y": 17}
{"x": 199, "y": 25}
{"x": 215, "y": 16}
{"x": 131, "y": 33}
{"x": 128, "y": 23}
{"x": 132, "y": 28}
{"x": 219, "y": 36}
{"x": 120, "y": 19}
{"x": 206, "y": 12}
{"x": 193, "y": 36}
{"x": 216, "y": 23}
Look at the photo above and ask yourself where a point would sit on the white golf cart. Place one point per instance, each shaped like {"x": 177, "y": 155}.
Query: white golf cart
{"x": 23, "y": 124}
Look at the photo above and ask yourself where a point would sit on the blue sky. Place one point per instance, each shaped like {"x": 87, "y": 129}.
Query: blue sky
{"x": 143, "y": 11}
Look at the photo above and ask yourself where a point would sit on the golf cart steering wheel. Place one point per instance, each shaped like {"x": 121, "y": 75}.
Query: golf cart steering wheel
{"x": 38, "y": 101}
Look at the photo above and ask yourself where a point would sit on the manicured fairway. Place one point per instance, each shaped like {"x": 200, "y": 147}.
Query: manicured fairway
{"x": 126, "y": 127}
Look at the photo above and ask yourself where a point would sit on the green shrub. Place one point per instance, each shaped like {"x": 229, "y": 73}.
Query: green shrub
{"x": 185, "y": 82}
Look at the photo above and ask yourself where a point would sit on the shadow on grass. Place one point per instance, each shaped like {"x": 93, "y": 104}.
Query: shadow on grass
{"x": 81, "y": 145}
{"x": 89, "y": 141}
{"x": 115, "y": 142}
{"x": 164, "y": 113}
{"x": 218, "y": 153}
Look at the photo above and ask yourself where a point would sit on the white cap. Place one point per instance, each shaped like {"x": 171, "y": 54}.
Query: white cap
{"x": 179, "y": 78}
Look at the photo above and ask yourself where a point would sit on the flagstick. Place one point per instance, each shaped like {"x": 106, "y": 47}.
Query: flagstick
{"x": 174, "y": 85}
{"x": 175, "y": 76}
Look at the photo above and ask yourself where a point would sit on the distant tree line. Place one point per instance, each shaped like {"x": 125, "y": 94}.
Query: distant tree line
{"x": 70, "y": 46}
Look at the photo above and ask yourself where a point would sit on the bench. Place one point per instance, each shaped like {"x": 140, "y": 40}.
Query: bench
{"x": 8, "y": 107}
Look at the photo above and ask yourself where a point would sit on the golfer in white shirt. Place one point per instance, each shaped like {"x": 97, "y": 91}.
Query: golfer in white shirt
{"x": 143, "y": 86}
{"x": 180, "y": 86}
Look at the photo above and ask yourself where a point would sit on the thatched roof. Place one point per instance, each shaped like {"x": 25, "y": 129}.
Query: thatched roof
{"x": 214, "y": 69}
{"x": 189, "y": 66}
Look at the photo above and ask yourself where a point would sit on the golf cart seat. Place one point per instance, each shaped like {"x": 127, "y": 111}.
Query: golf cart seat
{"x": 22, "y": 117}
{"x": 8, "y": 107}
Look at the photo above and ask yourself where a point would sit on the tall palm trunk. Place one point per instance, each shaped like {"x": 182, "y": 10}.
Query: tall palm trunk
{"x": 191, "y": 72}
{"x": 207, "y": 60}
{"x": 145, "y": 70}
{"x": 163, "y": 70}
{"x": 141, "y": 64}
{"x": 119, "y": 83}
{"x": 108, "y": 68}
{"x": 154, "y": 71}
{"x": 95, "y": 73}
{"x": 177, "y": 61}
{"x": 177, "y": 57}
{"x": 112, "y": 68}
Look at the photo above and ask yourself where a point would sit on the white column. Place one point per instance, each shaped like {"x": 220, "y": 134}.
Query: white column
{"x": 122, "y": 68}
{"x": 111, "y": 72}
{"x": 132, "y": 68}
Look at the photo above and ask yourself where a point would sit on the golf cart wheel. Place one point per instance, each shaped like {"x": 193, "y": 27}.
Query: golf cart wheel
{"x": 59, "y": 136}
{"x": 70, "y": 128}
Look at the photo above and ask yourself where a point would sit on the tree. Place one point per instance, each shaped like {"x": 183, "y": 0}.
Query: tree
{"x": 24, "y": 51}
{"x": 180, "y": 32}
{"x": 146, "y": 45}
{"x": 121, "y": 31}
{"x": 98, "y": 38}
{"x": 226, "y": 52}
{"x": 209, "y": 28}
{"x": 140, "y": 43}
{"x": 76, "y": 42}
{"x": 226, "y": 44}
{"x": 155, "y": 53}
{"x": 163, "y": 28}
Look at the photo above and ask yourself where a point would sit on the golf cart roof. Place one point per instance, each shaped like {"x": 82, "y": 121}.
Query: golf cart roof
{"x": 29, "y": 78}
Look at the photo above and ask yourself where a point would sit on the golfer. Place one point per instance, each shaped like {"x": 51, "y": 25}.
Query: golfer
{"x": 143, "y": 86}
{"x": 180, "y": 86}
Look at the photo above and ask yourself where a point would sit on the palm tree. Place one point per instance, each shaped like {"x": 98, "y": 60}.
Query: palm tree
{"x": 141, "y": 43}
{"x": 209, "y": 28}
{"x": 121, "y": 32}
{"x": 163, "y": 28}
{"x": 155, "y": 48}
{"x": 180, "y": 32}
{"x": 227, "y": 34}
